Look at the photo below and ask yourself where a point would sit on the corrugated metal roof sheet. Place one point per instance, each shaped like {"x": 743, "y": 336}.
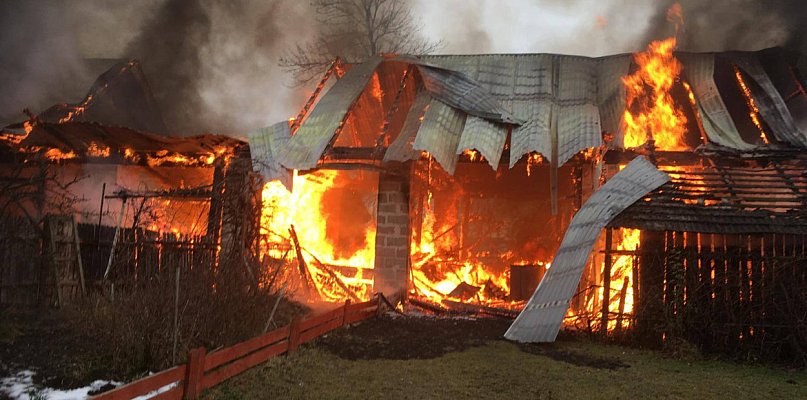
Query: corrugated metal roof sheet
{"x": 309, "y": 142}
{"x": 485, "y": 136}
{"x": 264, "y": 146}
{"x": 719, "y": 127}
{"x": 611, "y": 92}
{"x": 533, "y": 135}
{"x": 771, "y": 105}
{"x": 401, "y": 148}
{"x": 440, "y": 133}
{"x": 585, "y": 95}
{"x": 459, "y": 91}
{"x": 542, "y": 316}
{"x": 578, "y": 129}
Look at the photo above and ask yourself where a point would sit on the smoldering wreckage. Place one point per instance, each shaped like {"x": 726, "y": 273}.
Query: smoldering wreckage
{"x": 651, "y": 195}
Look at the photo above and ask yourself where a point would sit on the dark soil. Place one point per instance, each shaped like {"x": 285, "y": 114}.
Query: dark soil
{"x": 44, "y": 341}
{"x": 399, "y": 337}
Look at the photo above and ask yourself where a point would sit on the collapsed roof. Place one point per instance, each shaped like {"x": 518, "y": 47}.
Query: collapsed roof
{"x": 726, "y": 196}
{"x": 555, "y": 105}
{"x": 120, "y": 96}
{"x": 91, "y": 141}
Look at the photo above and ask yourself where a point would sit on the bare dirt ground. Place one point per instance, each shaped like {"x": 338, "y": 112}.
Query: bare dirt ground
{"x": 397, "y": 337}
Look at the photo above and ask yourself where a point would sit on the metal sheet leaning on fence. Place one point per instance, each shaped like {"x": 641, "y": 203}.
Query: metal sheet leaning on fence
{"x": 541, "y": 319}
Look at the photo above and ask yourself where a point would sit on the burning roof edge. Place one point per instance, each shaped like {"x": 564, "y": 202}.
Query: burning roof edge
{"x": 115, "y": 144}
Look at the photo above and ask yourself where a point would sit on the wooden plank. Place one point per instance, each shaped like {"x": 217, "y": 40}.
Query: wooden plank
{"x": 145, "y": 385}
{"x": 175, "y": 393}
{"x": 359, "y": 316}
{"x": 312, "y": 322}
{"x": 193, "y": 380}
{"x": 350, "y": 308}
{"x": 217, "y": 376}
{"x": 231, "y": 353}
{"x": 294, "y": 334}
{"x": 606, "y": 282}
{"x": 320, "y": 330}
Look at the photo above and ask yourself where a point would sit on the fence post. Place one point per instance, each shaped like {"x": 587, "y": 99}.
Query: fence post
{"x": 195, "y": 372}
{"x": 294, "y": 334}
{"x": 344, "y": 312}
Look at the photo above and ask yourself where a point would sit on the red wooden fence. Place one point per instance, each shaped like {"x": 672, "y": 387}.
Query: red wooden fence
{"x": 204, "y": 371}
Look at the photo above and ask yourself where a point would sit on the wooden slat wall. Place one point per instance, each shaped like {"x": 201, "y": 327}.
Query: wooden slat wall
{"x": 736, "y": 294}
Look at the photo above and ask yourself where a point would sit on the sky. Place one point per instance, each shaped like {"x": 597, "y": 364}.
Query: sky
{"x": 582, "y": 27}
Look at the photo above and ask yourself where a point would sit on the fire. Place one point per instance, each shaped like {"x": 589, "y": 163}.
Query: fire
{"x": 651, "y": 112}
{"x": 752, "y": 105}
{"x": 303, "y": 208}
{"x": 78, "y": 110}
{"x": 473, "y": 155}
{"x": 533, "y": 160}
{"x": 164, "y": 156}
{"x": 96, "y": 150}
{"x": 56, "y": 154}
{"x": 437, "y": 275}
{"x": 621, "y": 274}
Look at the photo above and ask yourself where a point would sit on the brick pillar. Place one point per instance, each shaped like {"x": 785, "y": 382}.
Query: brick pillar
{"x": 392, "y": 234}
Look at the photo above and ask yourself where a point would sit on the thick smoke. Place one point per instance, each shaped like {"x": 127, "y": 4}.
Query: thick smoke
{"x": 39, "y": 58}
{"x": 721, "y": 25}
{"x": 211, "y": 64}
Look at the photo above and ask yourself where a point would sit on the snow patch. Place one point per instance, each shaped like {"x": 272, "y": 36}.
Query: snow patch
{"x": 20, "y": 386}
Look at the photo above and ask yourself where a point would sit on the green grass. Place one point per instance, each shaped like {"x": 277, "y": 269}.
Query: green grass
{"x": 501, "y": 370}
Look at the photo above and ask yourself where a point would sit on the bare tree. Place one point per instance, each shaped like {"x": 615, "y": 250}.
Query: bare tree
{"x": 356, "y": 30}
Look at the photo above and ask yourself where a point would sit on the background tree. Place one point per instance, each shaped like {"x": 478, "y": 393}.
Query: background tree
{"x": 356, "y": 30}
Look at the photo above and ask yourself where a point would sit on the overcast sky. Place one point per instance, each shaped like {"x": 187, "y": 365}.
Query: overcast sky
{"x": 584, "y": 27}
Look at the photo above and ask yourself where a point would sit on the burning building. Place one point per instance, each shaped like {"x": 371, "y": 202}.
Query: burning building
{"x": 450, "y": 181}
{"x": 136, "y": 198}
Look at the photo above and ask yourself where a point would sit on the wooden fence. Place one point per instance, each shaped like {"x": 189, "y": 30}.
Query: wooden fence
{"x": 31, "y": 257}
{"x": 734, "y": 294}
{"x": 203, "y": 371}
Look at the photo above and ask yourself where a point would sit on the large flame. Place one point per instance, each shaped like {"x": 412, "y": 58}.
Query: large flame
{"x": 651, "y": 111}
{"x": 303, "y": 208}
{"x": 435, "y": 276}
{"x": 622, "y": 274}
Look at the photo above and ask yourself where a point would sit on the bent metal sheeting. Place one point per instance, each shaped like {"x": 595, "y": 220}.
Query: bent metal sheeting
{"x": 542, "y": 317}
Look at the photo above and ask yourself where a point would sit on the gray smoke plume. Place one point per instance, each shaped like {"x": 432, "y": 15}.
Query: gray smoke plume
{"x": 721, "y": 25}
{"x": 38, "y": 57}
{"x": 211, "y": 64}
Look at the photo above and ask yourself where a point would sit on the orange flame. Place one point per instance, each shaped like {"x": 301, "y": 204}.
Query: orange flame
{"x": 303, "y": 208}
{"x": 56, "y": 154}
{"x": 752, "y": 105}
{"x": 96, "y": 150}
{"x": 651, "y": 111}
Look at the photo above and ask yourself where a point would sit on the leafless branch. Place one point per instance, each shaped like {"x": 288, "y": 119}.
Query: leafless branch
{"x": 356, "y": 30}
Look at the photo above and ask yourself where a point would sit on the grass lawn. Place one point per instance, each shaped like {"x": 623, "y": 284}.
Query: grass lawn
{"x": 498, "y": 369}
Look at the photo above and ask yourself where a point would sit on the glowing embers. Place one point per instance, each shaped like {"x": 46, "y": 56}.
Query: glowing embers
{"x": 651, "y": 111}
{"x": 334, "y": 224}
